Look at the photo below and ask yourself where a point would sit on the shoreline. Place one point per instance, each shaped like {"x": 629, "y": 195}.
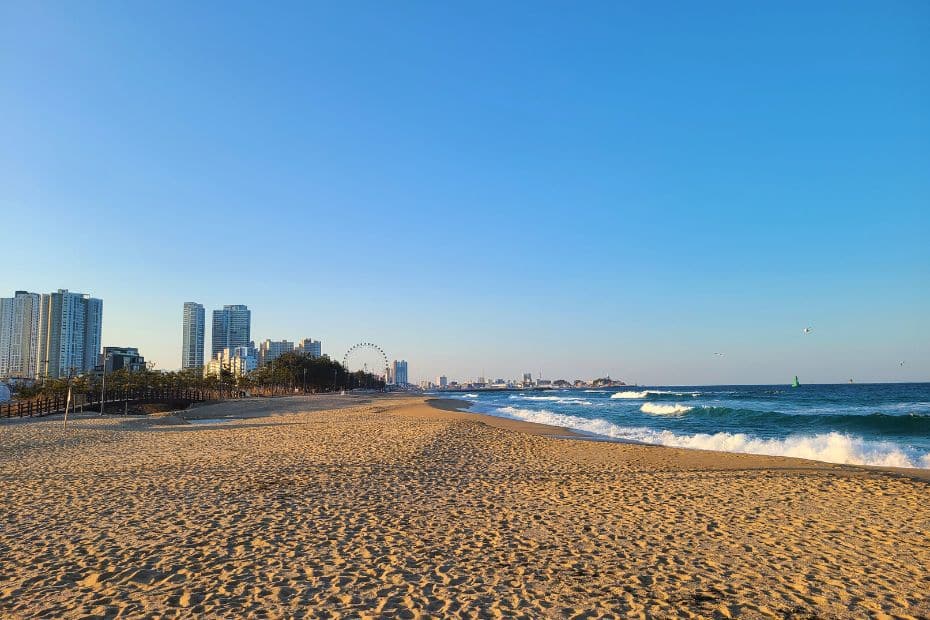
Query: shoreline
{"x": 255, "y": 408}
{"x": 558, "y": 432}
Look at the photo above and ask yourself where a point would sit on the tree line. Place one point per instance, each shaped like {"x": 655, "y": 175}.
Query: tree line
{"x": 289, "y": 373}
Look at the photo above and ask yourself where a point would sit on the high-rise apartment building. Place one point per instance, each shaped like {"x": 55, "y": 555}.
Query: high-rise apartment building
{"x": 70, "y": 326}
{"x": 19, "y": 335}
{"x": 442, "y": 381}
{"x": 400, "y": 372}
{"x": 270, "y": 350}
{"x": 6, "y": 334}
{"x": 192, "y": 335}
{"x": 310, "y": 347}
{"x": 232, "y": 327}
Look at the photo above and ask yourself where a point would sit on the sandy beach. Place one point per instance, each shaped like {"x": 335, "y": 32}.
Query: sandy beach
{"x": 352, "y": 506}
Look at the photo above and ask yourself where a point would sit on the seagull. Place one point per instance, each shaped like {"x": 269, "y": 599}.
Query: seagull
{"x": 901, "y": 364}
{"x": 808, "y": 330}
{"x": 720, "y": 354}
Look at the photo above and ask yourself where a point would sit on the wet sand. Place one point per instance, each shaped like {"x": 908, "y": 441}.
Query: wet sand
{"x": 391, "y": 507}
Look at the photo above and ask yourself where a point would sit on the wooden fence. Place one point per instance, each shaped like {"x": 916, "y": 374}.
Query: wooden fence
{"x": 116, "y": 401}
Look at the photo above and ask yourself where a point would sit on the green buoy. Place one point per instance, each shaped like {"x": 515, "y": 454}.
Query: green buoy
{"x": 796, "y": 383}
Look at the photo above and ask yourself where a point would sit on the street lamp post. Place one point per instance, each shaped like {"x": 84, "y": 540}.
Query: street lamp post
{"x": 68, "y": 400}
{"x": 103, "y": 384}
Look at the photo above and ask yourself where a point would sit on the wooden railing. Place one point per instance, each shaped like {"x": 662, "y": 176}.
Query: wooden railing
{"x": 116, "y": 401}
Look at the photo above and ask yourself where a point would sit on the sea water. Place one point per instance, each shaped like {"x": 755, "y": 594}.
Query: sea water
{"x": 866, "y": 424}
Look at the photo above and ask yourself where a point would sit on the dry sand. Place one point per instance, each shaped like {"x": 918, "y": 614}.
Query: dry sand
{"x": 393, "y": 508}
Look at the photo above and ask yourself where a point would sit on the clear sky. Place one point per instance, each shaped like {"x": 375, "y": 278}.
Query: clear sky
{"x": 499, "y": 187}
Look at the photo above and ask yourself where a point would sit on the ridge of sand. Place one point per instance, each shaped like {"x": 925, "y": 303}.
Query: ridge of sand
{"x": 390, "y": 507}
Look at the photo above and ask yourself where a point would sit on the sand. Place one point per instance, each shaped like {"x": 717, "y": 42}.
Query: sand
{"x": 391, "y": 507}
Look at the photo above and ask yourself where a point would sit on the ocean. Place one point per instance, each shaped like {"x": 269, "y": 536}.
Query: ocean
{"x": 867, "y": 424}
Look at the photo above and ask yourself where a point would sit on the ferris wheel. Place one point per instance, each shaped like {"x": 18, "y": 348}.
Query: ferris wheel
{"x": 368, "y": 357}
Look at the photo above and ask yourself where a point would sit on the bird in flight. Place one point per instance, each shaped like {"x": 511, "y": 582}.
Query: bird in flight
{"x": 808, "y": 330}
{"x": 720, "y": 354}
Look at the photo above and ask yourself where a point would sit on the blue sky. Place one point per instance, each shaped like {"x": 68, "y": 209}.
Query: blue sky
{"x": 494, "y": 187}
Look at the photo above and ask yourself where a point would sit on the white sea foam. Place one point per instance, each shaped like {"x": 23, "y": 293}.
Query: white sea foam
{"x": 596, "y": 426}
{"x": 664, "y": 409}
{"x": 469, "y": 395}
{"x": 830, "y": 447}
{"x": 630, "y": 395}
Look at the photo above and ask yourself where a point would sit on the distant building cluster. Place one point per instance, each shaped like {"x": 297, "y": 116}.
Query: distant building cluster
{"x": 480, "y": 383}
{"x": 237, "y": 360}
{"x": 49, "y": 335}
{"x": 57, "y": 335}
{"x": 232, "y": 348}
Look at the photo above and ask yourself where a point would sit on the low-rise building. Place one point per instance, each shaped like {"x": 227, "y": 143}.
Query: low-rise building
{"x": 121, "y": 358}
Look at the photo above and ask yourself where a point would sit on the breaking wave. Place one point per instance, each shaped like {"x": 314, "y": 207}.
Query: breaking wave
{"x": 629, "y": 395}
{"x": 831, "y": 447}
{"x": 663, "y": 393}
{"x": 665, "y": 409}
{"x": 657, "y": 394}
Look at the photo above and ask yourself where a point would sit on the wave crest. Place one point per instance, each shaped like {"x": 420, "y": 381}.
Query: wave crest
{"x": 658, "y": 394}
{"x": 830, "y": 447}
{"x": 665, "y": 409}
{"x": 629, "y": 395}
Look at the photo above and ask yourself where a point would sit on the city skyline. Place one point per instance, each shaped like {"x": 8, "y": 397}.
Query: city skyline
{"x": 467, "y": 375}
{"x": 193, "y": 341}
{"x": 649, "y": 195}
